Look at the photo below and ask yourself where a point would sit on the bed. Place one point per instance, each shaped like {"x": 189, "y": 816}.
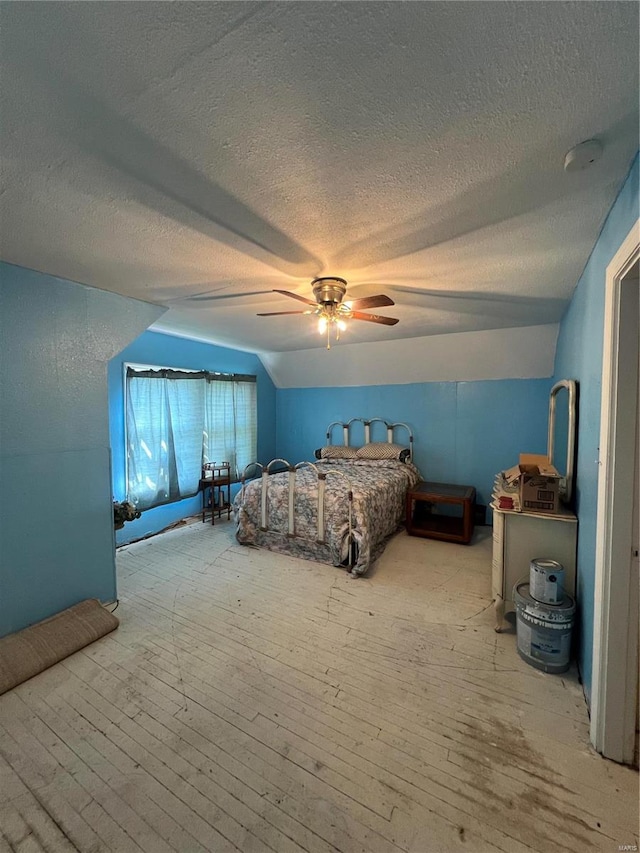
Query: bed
{"x": 339, "y": 509}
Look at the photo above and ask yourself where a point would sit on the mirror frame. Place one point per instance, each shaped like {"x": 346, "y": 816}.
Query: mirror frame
{"x": 570, "y": 385}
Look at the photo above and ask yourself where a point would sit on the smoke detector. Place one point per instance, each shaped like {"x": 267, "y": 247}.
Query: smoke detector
{"x": 583, "y": 155}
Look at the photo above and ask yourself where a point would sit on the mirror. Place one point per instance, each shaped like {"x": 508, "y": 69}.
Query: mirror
{"x": 561, "y": 441}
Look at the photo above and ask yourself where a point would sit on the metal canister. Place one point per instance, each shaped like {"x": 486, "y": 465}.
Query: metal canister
{"x": 546, "y": 581}
{"x": 544, "y": 630}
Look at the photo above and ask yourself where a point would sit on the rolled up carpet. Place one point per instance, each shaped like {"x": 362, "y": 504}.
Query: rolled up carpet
{"x": 34, "y": 649}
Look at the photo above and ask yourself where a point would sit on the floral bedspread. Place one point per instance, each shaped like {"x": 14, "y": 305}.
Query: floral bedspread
{"x": 379, "y": 490}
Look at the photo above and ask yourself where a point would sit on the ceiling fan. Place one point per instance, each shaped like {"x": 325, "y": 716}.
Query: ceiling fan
{"x": 330, "y": 309}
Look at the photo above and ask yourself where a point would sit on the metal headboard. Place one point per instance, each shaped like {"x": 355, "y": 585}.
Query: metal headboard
{"x": 346, "y": 428}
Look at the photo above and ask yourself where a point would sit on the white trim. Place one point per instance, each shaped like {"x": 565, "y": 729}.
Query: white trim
{"x": 614, "y": 682}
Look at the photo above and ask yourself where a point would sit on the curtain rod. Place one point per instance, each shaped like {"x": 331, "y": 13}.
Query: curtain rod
{"x": 169, "y": 373}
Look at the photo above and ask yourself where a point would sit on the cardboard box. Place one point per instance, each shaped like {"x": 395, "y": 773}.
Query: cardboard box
{"x": 539, "y": 483}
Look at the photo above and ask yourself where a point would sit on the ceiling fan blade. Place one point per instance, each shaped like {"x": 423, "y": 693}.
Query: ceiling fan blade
{"x": 282, "y": 313}
{"x": 374, "y": 318}
{"x": 204, "y": 298}
{"x": 295, "y": 296}
{"x": 370, "y": 302}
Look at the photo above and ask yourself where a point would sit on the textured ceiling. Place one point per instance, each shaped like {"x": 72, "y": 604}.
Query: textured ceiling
{"x": 175, "y": 150}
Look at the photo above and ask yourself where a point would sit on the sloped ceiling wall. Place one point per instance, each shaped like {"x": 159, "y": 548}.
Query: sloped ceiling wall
{"x": 56, "y": 514}
{"x": 524, "y": 353}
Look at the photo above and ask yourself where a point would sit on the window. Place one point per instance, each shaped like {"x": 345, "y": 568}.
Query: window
{"x": 178, "y": 419}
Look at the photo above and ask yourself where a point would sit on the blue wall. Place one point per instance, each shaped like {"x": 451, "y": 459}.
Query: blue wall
{"x": 464, "y": 432}
{"x": 56, "y": 517}
{"x": 163, "y": 350}
{"x": 579, "y": 356}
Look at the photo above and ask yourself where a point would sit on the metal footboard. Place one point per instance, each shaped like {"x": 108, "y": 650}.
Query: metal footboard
{"x": 265, "y": 472}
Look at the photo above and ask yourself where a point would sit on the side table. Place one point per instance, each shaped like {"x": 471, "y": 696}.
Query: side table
{"x": 422, "y": 520}
{"x": 215, "y": 485}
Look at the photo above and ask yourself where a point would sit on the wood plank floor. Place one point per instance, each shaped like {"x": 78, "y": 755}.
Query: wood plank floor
{"x": 256, "y": 702}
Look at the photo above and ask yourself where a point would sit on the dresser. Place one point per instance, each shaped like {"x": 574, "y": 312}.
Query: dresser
{"x": 518, "y": 538}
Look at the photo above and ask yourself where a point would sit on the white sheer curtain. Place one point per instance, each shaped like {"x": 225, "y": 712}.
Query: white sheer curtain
{"x": 148, "y": 445}
{"x": 230, "y": 426}
{"x": 246, "y": 416}
{"x": 175, "y": 420}
{"x": 185, "y": 399}
{"x": 164, "y": 438}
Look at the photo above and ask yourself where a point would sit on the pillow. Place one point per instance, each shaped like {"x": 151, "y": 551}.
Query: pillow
{"x": 384, "y": 450}
{"x": 337, "y": 451}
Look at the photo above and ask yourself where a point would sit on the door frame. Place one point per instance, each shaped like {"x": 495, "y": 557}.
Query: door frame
{"x": 615, "y": 638}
